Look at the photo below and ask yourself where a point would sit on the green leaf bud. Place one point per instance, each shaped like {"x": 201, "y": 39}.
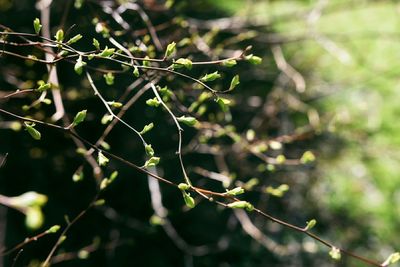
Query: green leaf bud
{"x": 223, "y": 103}
{"x": 46, "y": 101}
{"x": 235, "y": 191}
{"x": 335, "y": 253}
{"x": 170, "y": 49}
{"x": 107, "y": 52}
{"x": 189, "y": 201}
{"x": 54, "y": 229}
{"x": 37, "y": 26}
{"x": 277, "y": 192}
{"x": 310, "y": 225}
{"x": 153, "y": 102}
{"x": 106, "y": 118}
{"x": 210, "y": 77}
{"x": 229, "y": 63}
{"x": 235, "y": 81}
{"x": 153, "y": 161}
{"x": 43, "y": 86}
{"x": 183, "y": 62}
{"x": 255, "y": 60}
{"x": 113, "y": 176}
{"x": 59, "y": 35}
{"x": 96, "y": 44}
{"x": 102, "y": 160}
{"x": 104, "y": 183}
{"x": 109, "y": 78}
{"x": 105, "y": 145}
{"x": 74, "y": 39}
{"x": 32, "y": 131}
{"x": 136, "y": 71}
{"x": 149, "y": 150}
{"x": 115, "y": 104}
{"x": 79, "y": 65}
{"x": 241, "y": 205}
{"x": 79, "y": 117}
{"x": 147, "y": 128}
{"x": 190, "y": 121}
{"x": 183, "y": 186}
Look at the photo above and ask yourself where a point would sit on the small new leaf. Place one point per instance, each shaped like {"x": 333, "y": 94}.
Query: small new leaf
{"x": 153, "y": 161}
{"x": 107, "y": 181}
{"x": 37, "y": 26}
{"x": 104, "y": 183}
{"x": 310, "y": 225}
{"x": 255, "y": 60}
{"x": 109, "y": 78}
{"x": 189, "y": 121}
{"x": 115, "y": 104}
{"x": 229, "y": 63}
{"x": 183, "y": 186}
{"x": 136, "y": 72}
{"x": 113, "y": 176}
{"x": 153, "y": 102}
{"x": 183, "y": 62}
{"x": 54, "y": 229}
{"x": 241, "y": 205}
{"x": 210, "y": 77}
{"x": 103, "y": 160}
{"x": 79, "y": 117}
{"x": 235, "y": 81}
{"x": 189, "y": 201}
{"x": 43, "y": 87}
{"x": 91, "y": 56}
{"x": 32, "y": 131}
{"x": 79, "y": 65}
{"x": 74, "y": 39}
{"x": 96, "y": 44}
{"x": 59, "y": 35}
{"x": 223, "y": 103}
{"x": 335, "y": 253}
{"x": 170, "y": 49}
{"x": 107, "y": 52}
{"x": 106, "y": 118}
{"x": 149, "y": 150}
{"x": 235, "y": 191}
{"x": 105, "y": 145}
{"x": 147, "y": 128}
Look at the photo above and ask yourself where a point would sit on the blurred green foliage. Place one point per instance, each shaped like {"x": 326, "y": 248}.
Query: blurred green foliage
{"x": 348, "y": 52}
